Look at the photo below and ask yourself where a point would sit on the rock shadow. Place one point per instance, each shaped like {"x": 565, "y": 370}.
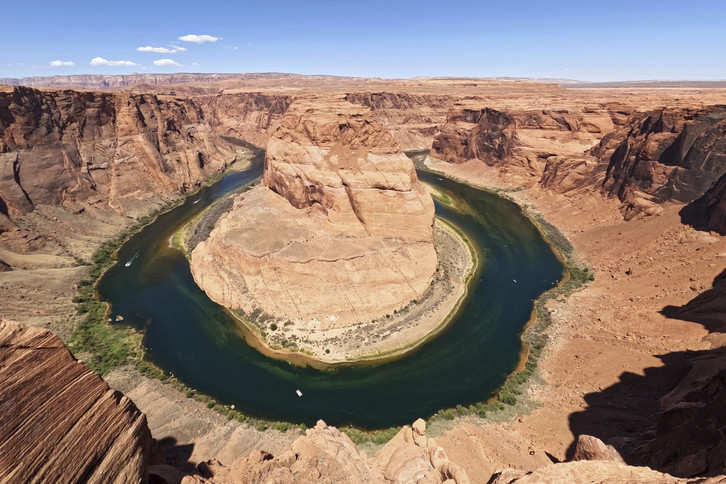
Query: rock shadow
{"x": 177, "y": 455}
{"x": 672, "y": 418}
{"x": 707, "y": 309}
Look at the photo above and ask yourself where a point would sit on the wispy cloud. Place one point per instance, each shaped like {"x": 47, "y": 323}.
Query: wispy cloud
{"x": 100, "y": 61}
{"x": 161, "y": 50}
{"x": 198, "y": 39}
{"x": 60, "y": 63}
{"x": 166, "y": 62}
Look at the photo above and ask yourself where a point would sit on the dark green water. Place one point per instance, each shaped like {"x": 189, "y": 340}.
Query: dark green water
{"x": 192, "y": 337}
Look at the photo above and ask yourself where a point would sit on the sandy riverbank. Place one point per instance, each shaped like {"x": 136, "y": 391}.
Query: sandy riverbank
{"x": 605, "y": 340}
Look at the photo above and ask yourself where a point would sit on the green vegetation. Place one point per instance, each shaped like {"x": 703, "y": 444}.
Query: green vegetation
{"x": 375, "y": 436}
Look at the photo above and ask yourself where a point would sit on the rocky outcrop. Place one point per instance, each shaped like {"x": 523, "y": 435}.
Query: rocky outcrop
{"x": 323, "y": 454}
{"x": 61, "y": 422}
{"x": 665, "y": 154}
{"x": 690, "y": 436}
{"x": 340, "y": 233}
{"x": 709, "y": 211}
{"x": 484, "y": 134}
{"x": 110, "y": 149}
{"x": 592, "y": 448}
{"x": 412, "y": 119}
{"x": 326, "y": 455}
{"x": 521, "y": 142}
{"x": 251, "y": 116}
{"x": 410, "y": 456}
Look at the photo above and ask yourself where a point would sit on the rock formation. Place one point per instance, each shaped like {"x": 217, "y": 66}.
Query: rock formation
{"x": 709, "y": 211}
{"x": 340, "y": 233}
{"x": 112, "y": 149}
{"x": 412, "y": 119}
{"x": 251, "y": 116}
{"x": 60, "y": 421}
{"x": 326, "y": 455}
{"x": 665, "y": 154}
{"x": 690, "y": 436}
{"x": 516, "y": 140}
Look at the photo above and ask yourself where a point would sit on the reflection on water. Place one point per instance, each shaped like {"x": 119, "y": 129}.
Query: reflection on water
{"x": 192, "y": 337}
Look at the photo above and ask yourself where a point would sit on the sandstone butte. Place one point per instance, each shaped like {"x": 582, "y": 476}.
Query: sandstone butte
{"x": 340, "y": 233}
{"x": 636, "y": 358}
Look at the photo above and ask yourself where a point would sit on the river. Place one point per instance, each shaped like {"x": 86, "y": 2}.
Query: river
{"x": 190, "y": 336}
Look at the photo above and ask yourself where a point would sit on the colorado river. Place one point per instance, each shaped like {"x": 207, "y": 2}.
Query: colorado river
{"x": 192, "y": 337}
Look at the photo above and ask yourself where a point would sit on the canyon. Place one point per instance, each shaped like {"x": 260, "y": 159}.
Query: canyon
{"x": 632, "y": 177}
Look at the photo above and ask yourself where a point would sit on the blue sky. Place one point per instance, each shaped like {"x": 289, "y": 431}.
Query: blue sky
{"x": 586, "y": 40}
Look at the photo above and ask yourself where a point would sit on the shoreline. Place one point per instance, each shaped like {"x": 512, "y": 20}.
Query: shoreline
{"x": 596, "y": 336}
{"x": 395, "y": 347}
{"x": 566, "y": 259}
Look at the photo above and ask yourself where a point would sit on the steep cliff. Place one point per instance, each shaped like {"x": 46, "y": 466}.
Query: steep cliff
{"x": 709, "y": 211}
{"x": 411, "y": 118}
{"x": 60, "y": 421}
{"x": 109, "y": 149}
{"x": 665, "y": 154}
{"x": 341, "y": 233}
{"x": 251, "y": 116}
{"x": 518, "y": 141}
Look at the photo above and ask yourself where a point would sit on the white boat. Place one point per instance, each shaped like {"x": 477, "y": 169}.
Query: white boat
{"x": 195, "y": 201}
{"x": 128, "y": 263}
{"x": 299, "y": 393}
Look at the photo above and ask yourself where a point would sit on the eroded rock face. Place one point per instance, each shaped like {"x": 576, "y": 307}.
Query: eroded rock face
{"x": 483, "y": 134}
{"x": 412, "y": 119}
{"x": 111, "y": 149}
{"x": 666, "y": 154}
{"x": 521, "y": 142}
{"x": 690, "y": 437}
{"x": 709, "y": 211}
{"x": 60, "y": 421}
{"x": 251, "y": 116}
{"x": 340, "y": 233}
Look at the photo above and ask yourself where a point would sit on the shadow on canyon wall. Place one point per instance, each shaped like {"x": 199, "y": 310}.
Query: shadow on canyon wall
{"x": 672, "y": 418}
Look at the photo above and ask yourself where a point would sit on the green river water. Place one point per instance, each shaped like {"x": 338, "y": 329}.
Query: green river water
{"x": 187, "y": 334}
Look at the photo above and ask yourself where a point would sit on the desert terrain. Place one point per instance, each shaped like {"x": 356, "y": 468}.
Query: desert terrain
{"x": 631, "y": 176}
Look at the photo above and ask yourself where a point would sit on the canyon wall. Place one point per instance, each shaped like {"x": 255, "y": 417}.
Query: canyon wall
{"x": 61, "y": 422}
{"x": 251, "y": 116}
{"x": 518, "y": 141}
{"x": 110, "y": 149}
{"x": 411, "y": 118}
{"x": 665, "y": 154}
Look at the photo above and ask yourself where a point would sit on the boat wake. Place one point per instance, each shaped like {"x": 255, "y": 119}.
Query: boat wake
{"x": 128, "y": 262}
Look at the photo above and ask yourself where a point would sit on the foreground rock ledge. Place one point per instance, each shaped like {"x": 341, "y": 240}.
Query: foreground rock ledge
{"x": 340, "y": 234}
{"x": 60, "y": 421}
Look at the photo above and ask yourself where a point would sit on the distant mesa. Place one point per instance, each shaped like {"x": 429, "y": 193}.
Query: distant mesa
{"x": 340, "y": 233}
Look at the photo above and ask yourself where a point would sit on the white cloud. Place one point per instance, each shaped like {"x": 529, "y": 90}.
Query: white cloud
{"x": 60, "y": 63}
{"x": 198, "y": 39}
{"x": 161, "y": 50}
{"x": 166, "y": 62}
{"x": 100, "y": 61}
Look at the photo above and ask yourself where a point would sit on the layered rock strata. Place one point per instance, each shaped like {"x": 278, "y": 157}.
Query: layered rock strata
{"x": 516, "y": 141}
{"x": 114, "y": 150}
{"x": 60, "y": 421}
{"x": 341, "y": 232}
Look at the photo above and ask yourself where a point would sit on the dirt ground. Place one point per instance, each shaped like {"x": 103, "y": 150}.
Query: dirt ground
{"x": 607, "y": 339}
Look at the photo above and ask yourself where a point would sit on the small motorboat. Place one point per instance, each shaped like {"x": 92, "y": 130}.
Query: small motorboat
{"x": 299, "y": 393}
